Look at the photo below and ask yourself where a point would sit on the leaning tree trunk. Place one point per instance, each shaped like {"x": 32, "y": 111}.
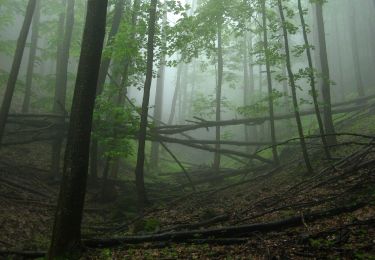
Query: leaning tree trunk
{"x": 32, "y": 56}
{"x": 159, "y": 95}
{"x": 269, "y": 84}
{"x": 139, "y": 170}
{"x": 104, "y": 67}
{"x": 326, "y": 83}
{"x": 220, "y": 68}
{"x": 66, "y": 236}
{"x": 61, "y": 84}
{"x": 312, "y": 81}
{"x": 13, "y": 75}
{"x": 294, "y": 89}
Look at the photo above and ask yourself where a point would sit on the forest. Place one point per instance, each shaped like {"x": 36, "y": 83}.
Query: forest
{"x": 187, "y": 129}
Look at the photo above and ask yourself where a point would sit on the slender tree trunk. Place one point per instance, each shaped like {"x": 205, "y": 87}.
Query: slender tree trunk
{"x": 356, "y": 60}
{"x": 139, "y": 171}
{"x": 66, "y": 236}
{"x": 61, "y": 82}
{"x": 246, "y": 85}
{"x": 175, "y": 94}
{"x": 32, "y": 55}
{"x": 159, "y": 95}
{"x": 104, "y": 67}
{"x": 183, "y": 95}
{"x": 220, "y": 68}
{"x": 314, "y": 93}
{"x": 341, "y": 89}
{"x": 326, "y": 84}
{"x": 253, "y": 130}
{"x": 294, "y": 90}
{"x": 13, "y": 75}
{"x": 269, "y": 84}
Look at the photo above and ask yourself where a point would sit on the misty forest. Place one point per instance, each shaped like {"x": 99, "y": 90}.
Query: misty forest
{"x": 187, "y": 129}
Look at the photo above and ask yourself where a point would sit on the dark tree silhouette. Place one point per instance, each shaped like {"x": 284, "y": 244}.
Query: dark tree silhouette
{"x": 312, "y": 81}
{"x": 12, "y": 80}
{"x": 139, "y": 170}
{"x": 66, "y": 234}
{"x": 294, "y": 89}
{"x": 326, "y": 83}
{"x": 32, "y": 56}
{"x": 62, "y": 63}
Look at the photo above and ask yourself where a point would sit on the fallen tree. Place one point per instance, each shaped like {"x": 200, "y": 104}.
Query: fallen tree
{"x": 223, "y": 232}
{"x": 176, "y": 129}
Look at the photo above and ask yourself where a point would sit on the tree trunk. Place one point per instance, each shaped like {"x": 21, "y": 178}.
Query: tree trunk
{"x": 294, "y": 90}
{"x": 62, "y": 80}
{"x": 220, "y": 68}
{"x": 158, "y": 108}
{"x": 104, "y": 67}
{"x": 356, "y": 61}
{"x": 13, "y": 75}
{"x": 314, "y": 93}
{"x": 139, "y": 171}
{"x": 269, "y": 84}
{"x": 32, "y": 55}
{"x": 175, "y": 94}
{"x": 66, "y": 236}
{"x": 326, "y": 84}
{"x": 246, "y": 85}
{"x": 341, "y": 86}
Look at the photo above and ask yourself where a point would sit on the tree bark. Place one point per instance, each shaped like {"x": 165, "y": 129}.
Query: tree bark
{"x": 312, "y": 82}
{"x": 269, "y": 84}
{"x": 326, "y": 84}
{"x": 139, "y": 171}
{"x": 294, "y": 90}
{"x": 66, "y": 234}
{"x": 13, "y": 75}
{"x": 220, "y": 68}
{"x": 32, "y": 56}
{"x": 62, "y": 64}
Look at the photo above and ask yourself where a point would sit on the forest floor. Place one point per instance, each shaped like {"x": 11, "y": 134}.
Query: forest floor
{"x": 281, "y": 213}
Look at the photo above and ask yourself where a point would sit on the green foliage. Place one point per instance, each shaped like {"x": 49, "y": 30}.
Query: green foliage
{"x": 115, "y": 125}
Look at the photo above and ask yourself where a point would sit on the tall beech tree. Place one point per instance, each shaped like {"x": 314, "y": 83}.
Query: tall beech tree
{"x": 326, "y": 82}
{"x": 293, "y": 88}
{"x": 311, "y": 75}
{"x": 62, "y": 64}
{"x": 14, "y": 71}
{"x": 139, "y": 170}
{"x": 32, "y": 56}
{"x": 66, "y": 235}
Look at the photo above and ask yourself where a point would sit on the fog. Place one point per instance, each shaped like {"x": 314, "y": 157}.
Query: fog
{"x": 186, "y": 116}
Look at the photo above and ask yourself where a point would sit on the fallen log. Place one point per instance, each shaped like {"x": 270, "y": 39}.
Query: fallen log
{"x": 224, "y": 232}
{"x": 204, "y": 223}
{"x": 175, "y": 129}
